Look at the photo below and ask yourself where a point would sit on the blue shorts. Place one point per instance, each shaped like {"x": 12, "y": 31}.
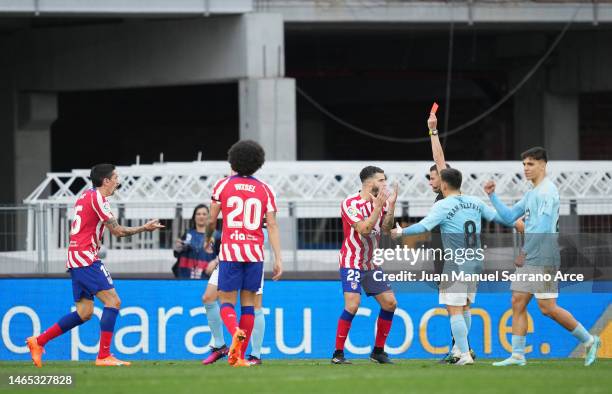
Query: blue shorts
{"x": 353, "y": 280}
{"x": 235, "y": 275}
{"x": 87, "y": 281}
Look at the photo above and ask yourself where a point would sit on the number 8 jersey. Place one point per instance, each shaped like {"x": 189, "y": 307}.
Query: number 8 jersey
{"x": 244, "y": 202}
{"x": 91, "y": 210}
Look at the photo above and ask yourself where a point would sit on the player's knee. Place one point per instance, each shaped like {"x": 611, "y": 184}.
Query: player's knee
{"x": 85, "y": 316}
{"x": 351, "y": 307}
{"x": 547, "y": 310}
{"x": 517, "y": 302}
{"x": 390, "y": 305}
{"x": 208, "y": 298}
{"x": 85, "y": 313}
{"x": 115, "y": 302}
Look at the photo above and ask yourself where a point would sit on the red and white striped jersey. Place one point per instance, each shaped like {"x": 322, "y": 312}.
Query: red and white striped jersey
{"x": 357, "y": 250}
{"x": 244, "y": 202}
{"x": 90, "y": 212}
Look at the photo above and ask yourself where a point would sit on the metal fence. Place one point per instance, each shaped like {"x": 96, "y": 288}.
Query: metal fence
{"x": 34, "y": 238}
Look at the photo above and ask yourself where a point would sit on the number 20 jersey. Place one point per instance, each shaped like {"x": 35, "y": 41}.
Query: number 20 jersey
{"x": 91, "y": 210}
{"x": 244, "y": 201}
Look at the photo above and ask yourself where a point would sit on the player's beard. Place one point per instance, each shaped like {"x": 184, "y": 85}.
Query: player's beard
{"x": 115, "y": 189}
{"x": 374, "y": 191}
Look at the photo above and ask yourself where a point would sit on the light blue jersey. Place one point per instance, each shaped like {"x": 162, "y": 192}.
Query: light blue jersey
{"x": 540, "y": 209}
{"x": 460, "y": 220}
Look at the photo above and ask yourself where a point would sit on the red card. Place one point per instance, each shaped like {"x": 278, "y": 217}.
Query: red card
{"x": 434, "y": 108}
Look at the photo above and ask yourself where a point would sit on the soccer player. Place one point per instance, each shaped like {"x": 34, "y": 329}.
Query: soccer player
{"x": 193, "y": 251}
{"x": 540, "y": 253}
{"x": 89, "y": 276}
{"x": 364, "y": 216}
{"x": 459, "y": 218}
{"x": 220, "y": 350}
{"x": 436, "y": 239}
{"x": 244, "y": 201}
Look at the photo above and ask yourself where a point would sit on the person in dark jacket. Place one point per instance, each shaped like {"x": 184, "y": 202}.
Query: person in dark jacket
{"x": 195, "y": 259}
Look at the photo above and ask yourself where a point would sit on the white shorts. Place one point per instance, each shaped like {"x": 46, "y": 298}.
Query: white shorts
{"x": 457, "y": 293}
{"x": 214, "y": 280}
{"x": 542, "y": 290}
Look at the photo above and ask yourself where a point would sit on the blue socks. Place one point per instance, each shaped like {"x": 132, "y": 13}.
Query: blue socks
{"x": 69, "y": 321}
{"x": 581, "y": 334}
{"x": 518, "y": 345}
{"x": 460, "y": 332}
{"x": 109, "y": 316}
{"x": 258, "y": 333}
{"x": 347, "y": 316}
{"x": 213, "y": 313}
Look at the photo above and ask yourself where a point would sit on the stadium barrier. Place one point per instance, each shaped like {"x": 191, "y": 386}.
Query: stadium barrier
{"x": 34, "y": 238}
{"x": 164, "y": 319}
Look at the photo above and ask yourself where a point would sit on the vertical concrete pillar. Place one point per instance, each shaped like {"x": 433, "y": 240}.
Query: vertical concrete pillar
{"x": 36, "y": 112}
{"x": 267, "y": 115}
{"x": 561, "y": 126}
{"x": 528, "y": 112}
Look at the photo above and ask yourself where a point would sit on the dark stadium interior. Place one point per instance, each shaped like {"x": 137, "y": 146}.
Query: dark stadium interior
{"x": 382, "y": 81}
{"x": 385, "y": 82}
{"x": 120, "y": 124}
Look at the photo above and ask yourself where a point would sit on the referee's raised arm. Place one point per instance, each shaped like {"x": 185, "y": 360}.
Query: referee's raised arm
{"x": 436, "y": 147}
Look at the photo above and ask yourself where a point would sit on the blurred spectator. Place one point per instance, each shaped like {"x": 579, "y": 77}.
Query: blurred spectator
{"x": 194, "y": 260}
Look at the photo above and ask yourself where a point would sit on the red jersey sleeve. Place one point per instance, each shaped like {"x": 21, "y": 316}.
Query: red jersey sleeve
{"x": 351, "y": 214}
{"x": 271, "y": 199}
{"x": 218, "y": 189}
{"x": 101, "y": 206}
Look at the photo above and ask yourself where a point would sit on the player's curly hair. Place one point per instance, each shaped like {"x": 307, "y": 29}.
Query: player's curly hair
{"x": 246, "y": 157}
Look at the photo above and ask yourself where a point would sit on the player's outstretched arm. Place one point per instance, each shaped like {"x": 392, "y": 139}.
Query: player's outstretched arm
{"x": 508, "y": 215}
{"x": 413, "y": 229}
{"x": 122, "y": 231}
{"x": 436, "y": 146}
{"x": 433, "y": 218}
{"x": 274, "y": 239}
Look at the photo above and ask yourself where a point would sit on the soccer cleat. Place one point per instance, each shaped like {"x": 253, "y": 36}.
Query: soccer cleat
{"x": 235, "y": 352}
{"x": 36, "y": 351}
{"x": 520, "y": 361}
{"x": 338, "y": 358}
{"x": 111, "y": 361}
{"x": 591, "y": 353}
{"x": 241, "y": 362}
{"x": 473, "y": 354}
{"x": 450, "y": 358}
{"x": 254, "y": 360}
{"x": 465, "y": 359}
{"x": 380, "y": 357}
{"x": 216, "y": 353}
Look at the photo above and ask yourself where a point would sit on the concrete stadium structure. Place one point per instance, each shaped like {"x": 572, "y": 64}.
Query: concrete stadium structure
{"x": 185, "y": 42}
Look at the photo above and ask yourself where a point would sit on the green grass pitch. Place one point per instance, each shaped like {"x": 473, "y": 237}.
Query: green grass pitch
{"x": 318, "y": 377}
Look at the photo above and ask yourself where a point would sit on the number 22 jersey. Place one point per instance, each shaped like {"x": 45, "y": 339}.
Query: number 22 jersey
{"x": 244, "y": 202}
